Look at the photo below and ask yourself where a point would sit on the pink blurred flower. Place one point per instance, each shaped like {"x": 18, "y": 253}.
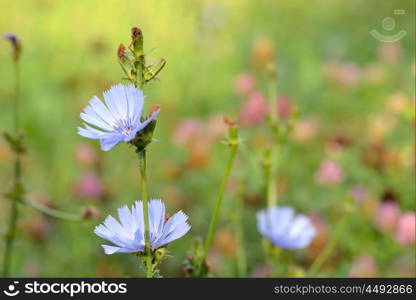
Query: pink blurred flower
{"x": 244, "y": 83}
{"x": 390, "y": 52}
{"x": 329, "y": 173}
{"x": 187, "y": 130}
{"x": 346, "y": 74}
{"x": 358, "y": 193}
{"x": 216, "y": 127}
{"x": 85, "y": 155}
{"x": 364, "y": 266}
{"x": 387, "y": 216}
{"x": 305, "y": 129}
{"x": 89, "y": 186}
{"x": 254, "y": 110}
{"x": 373, "y": 73}
{"x": 406, "y": 233}
{"x": 284, "y": 107}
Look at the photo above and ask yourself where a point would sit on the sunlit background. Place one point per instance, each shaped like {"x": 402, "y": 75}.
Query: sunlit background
{"x": 354, "y": 136}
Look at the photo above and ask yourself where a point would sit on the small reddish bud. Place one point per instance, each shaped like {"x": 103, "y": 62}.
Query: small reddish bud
{"x": 135, "y": 33}
{"x": 121, "y": 52}
{"x": 91, "y": 212}
{"x": 154, "y": 108}
{"x": 230, "y": 122}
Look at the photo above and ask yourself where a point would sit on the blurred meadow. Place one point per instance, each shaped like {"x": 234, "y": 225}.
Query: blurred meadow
{"x": 354, "y": 135}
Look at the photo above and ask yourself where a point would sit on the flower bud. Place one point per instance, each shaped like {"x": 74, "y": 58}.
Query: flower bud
{"x": 137, "y": 41}
{"x": 16, "y": 46}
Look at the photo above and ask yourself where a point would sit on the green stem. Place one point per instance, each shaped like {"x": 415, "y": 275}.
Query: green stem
{"x": 14, "y": 212}
{"x": 148, "y": 251}
{"x": 330, "y": 246}
{"x": 53, "y": 212}
{"x": 271, "y": 195}
{"x": 208, "y": 240}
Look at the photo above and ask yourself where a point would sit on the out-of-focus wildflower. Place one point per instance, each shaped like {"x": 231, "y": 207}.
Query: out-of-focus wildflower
{"x": 86, "y": 155}
{"x": 244, "y": 83}
{"x": 263, "y": 51}
{"x": 226, "y": 242}
{"x": 175, "y": 195}
{"x": 284, "y": 107}
{"x": 387, "y": 216}
{"x": 345, "y": 75}
{"x": 170, "y": 169}
{"x": 397, "y": 103}
{"x": 404, "y": 266}
{"x": 187, "y": 131}
{"x": 254, "y": 110}
{"x": 119, "y": 119}
{"x": 373, "y": 73}
{"x": 329, "y": 173}
{"x": 216, "y": 128}
{"x": 199, "y": 154}
{"x": 389, "y": 52}
{"x": 262, "y": 270}
{"x": 364, "y": 266}
{"x": 284, "y": 229}
{"x": 253, "y": 199}
{"x": 378, "y": 156}
{"x": 89, "y": 186}
{"x": 380, "y": 126}
{"x": 406, "y": 232}
{"x": 128, "y": 236}
{"x": 39, "y": 228}
{"x": 336, "y": 144}
{"x": 305, "y": 129}
{"x": 358, "y": 193}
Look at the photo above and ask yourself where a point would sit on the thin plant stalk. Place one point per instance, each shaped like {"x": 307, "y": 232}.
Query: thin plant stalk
{"x": 17, "y": 173}
{"x": 271, "y": 190}
{"x": 142, "y": 162}
{"x": 213, "y": 223}
{"x": 55, "y": 213}
{"x": 330, "y": 246}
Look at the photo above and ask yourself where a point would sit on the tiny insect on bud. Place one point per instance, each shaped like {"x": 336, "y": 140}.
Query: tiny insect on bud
{"x": 167, "y": 216}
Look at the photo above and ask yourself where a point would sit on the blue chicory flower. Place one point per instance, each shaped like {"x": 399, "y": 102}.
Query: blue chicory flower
{"x": 119, "y": 119}
{"x": 129, "y": 235}
{"x": 285, "y": 230}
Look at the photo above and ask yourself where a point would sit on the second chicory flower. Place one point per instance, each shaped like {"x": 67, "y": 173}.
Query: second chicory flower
{"x": 118, "y": 119}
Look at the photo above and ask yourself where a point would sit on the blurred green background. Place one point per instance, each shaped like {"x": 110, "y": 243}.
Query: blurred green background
{"x": 354, "y": 94}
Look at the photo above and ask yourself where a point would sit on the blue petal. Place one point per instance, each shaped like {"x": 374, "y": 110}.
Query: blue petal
{"x": 109, "y": 140}
{"x": 150, "y": 119}
{"x": 126, "y": 219}
{"x": 174, "y": 228}
{"x": 135, "y": 101}
{"x": 156, "y": 218}
{"x": 99, "y": 107}
{"x": 111, "y": 250}
{"x": 116, "y": 101}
